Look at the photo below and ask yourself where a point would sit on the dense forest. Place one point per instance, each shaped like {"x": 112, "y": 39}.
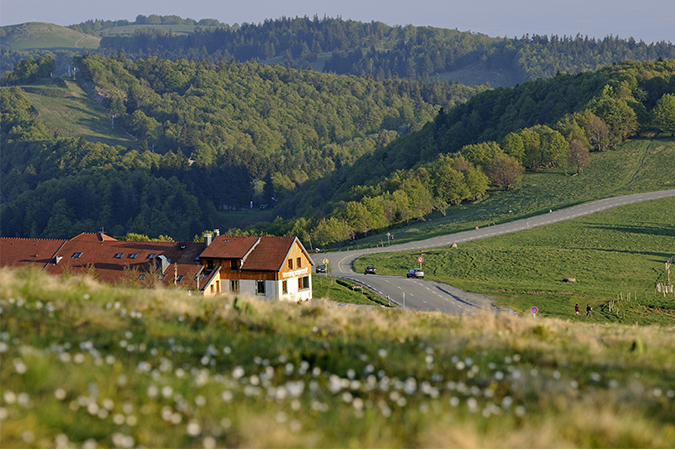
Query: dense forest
{"x": 341, "y": 155}
{"x": 209, "y": 137}
{"x": 382, "y": 51}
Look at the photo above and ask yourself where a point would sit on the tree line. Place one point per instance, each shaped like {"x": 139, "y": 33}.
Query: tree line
{"x": 384, "y": 51}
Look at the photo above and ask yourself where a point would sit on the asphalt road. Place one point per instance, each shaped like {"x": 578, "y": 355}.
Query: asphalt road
{"x": 425, "y": 295}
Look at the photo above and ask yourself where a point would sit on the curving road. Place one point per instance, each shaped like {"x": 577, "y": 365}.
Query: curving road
{"x": 425, "y": 295}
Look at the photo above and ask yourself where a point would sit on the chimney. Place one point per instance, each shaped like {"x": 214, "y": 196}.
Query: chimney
{"x": 217, "y": 232}
{"x": 207, "y": 239}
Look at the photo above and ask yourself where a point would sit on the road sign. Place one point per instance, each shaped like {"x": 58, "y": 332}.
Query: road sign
{"x": 420, "y": 259}
{"x": 534, "y": 310}
{"x": 325, "y": 261}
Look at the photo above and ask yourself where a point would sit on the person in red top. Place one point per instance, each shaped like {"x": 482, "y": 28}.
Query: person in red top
{"x": 576, "y": 309}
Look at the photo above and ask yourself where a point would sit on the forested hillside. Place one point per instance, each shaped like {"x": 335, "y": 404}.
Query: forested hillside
{"x": 350, "y": 47}
{"x": 209, "y": 137}
{"x": 492, "y": 139}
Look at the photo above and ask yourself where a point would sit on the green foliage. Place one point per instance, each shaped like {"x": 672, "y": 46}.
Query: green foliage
{"x": 30, "y": 70}
{"x": 664, "y": 114}
{"x": 382, "y": 51}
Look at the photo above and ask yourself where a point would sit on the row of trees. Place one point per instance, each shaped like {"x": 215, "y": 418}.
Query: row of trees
{"x": 384, "y": 51}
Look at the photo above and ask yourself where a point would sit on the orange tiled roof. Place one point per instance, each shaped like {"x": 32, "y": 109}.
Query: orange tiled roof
{"x": 115, "y": 260}
{"x": 21, "y": 252}
{"x": 269, "y": 254}
{"x": 229, "y": 247}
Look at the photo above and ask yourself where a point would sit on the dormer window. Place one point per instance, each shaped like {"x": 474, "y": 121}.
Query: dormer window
{"x": 77, "y": 255}
{"x": 152, "y": 255}
{"x": 133, "y": 255}
{"x": 119, "y": 255}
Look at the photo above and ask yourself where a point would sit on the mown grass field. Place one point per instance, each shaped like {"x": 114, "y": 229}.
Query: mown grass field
{"x": 619, "y": 251}
{"x": 640, "y": 165}
{"x": 66, "y": 109}
{"x": 87, "y": 365}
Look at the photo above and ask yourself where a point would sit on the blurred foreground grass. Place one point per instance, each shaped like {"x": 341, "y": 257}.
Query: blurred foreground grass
{"x": 89, "y": 365}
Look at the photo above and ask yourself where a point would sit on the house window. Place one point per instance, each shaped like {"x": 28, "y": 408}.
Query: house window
{"x": 303, "y": 283}
{"x": 234, "y": 286}
{"x": 212, "y": 288}
{"x": 119, "y": 255}
{"x": 290, "y": 263}
{"x": 76, "y": 255}
{"x": 209, "y": 264}
{"x": 152, "y": 255}
{"x": 133, "y": 255}
{"x": 284, "y": 287}
{"x": 233, "y": 264}
{"x": 299, "y": 262}
{"x": 260, "y": 287}
{"x": 180, "y": 277}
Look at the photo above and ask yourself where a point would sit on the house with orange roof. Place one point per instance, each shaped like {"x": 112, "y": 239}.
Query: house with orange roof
{"x": 269, "y": 267}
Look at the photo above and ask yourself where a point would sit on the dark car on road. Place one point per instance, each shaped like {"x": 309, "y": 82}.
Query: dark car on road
{"x": 415, "y": 273}
{"x": 321, "y": 268}
{"x": 369, "y": 269}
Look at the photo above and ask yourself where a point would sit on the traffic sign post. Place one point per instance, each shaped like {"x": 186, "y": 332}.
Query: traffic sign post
{"x": 420, "y": 260}
{"x": 534, "y": 311}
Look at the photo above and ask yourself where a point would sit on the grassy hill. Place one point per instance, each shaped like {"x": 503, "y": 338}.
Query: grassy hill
{"x": 46, "y": 36}
{"x": 93, "y": 366}
{"x": 66, "y": 109}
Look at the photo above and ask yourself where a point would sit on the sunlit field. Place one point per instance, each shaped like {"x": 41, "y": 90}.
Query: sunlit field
{"x": 87, "y": 365}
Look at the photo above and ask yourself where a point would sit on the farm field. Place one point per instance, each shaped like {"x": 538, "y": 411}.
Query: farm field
{"x": 617, "y": 252}
{"x": 640, "y": 165}
{"x": 89, "y": 365}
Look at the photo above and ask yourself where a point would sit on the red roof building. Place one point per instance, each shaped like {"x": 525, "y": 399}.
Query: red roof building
{"x": 270, "y": 267}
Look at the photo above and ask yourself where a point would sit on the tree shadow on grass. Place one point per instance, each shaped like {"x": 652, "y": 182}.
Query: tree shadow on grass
{"x": 639, "y": 229}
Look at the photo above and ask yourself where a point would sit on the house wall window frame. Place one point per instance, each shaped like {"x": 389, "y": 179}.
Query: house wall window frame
{"x": 290, "y": 263}
{"x": 303, "y": 283}
{"x": 284, "y": 287}
{"x": 260, "y": 288}
{"x": 234, "y": 286}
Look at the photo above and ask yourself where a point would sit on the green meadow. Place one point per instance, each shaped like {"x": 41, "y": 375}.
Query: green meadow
{"x": 88, "y": 365}
{"x": 66, "y": 108}
{"x": 619, "y": 252}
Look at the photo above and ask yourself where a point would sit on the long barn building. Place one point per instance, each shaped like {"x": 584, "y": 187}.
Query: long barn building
{"x": 276, "y": 268}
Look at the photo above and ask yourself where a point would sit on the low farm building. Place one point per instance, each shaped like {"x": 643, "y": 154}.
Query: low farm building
{"x": 277, "y": 268}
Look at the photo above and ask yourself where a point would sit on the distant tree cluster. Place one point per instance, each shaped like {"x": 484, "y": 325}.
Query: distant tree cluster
{"x": 384, "y": 51}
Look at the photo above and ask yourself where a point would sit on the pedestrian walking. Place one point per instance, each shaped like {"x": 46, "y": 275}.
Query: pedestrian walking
{"x": 576, "y": 309}
{"x": 589, "y": 310}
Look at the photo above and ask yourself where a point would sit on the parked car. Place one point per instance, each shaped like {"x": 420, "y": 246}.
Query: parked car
{"x": 369, "y": 269}
{"x": 321, "y": 268}
{"x": 415, "y": 273}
